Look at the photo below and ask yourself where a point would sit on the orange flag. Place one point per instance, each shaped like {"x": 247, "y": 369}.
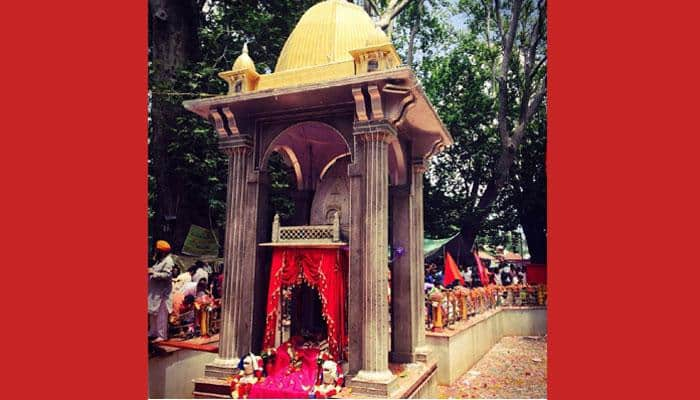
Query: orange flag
{"x": 451, "y": 271}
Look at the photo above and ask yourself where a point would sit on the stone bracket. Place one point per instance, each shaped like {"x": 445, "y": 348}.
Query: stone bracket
{"x": 368, "y": 103}
{"x": 399, "y": 100}
{"x": 375, "y": 102}
{"x": 230, "y": 121}
{"x": 360, "y": 109}
{"x": 224, "y": 123}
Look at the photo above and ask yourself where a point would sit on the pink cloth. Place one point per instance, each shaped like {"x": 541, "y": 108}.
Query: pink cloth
{"x": 284, "y": 384}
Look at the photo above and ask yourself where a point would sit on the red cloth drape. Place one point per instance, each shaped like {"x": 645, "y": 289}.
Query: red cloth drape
{"x": 483, "y": 276}
{"x": 451, "y": 271}
{"x": 322, "y": 269}
{"x": 286, "y": 383}
{"x": 536, "y": 274}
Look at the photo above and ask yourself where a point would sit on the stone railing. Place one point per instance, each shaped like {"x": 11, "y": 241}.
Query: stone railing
{"x": 445, "y": 307}
{"x": 306, "y": 234}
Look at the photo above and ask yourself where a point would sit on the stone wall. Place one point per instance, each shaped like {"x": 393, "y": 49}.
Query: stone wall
{"x": 458, "y": 350}
{"x": 171, "y": 375}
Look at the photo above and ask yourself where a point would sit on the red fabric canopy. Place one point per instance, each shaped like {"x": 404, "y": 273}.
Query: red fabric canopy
{"x": 322, "y": 269}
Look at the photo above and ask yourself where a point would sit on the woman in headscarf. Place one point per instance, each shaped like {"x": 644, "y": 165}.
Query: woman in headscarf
{"x": 159, "y": 287}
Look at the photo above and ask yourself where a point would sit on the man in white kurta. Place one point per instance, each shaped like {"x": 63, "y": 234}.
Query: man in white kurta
{"x": 159, "y": 288}
{"x": 180, "y": 279}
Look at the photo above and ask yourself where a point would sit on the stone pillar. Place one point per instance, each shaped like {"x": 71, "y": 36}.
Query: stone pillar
{"x": 227, "y": 360}
{"x": 256, "y": 263}
{"x": 402, "y": 278}
{"x": 408, "y": 330}
{"x": 374, "y": 378}
{"x": 420, "y": 348}
{"x": 355, "y": 274}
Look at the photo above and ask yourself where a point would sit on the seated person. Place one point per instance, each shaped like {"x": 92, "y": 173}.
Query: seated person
{"x": 182, "y": 315}
{"x": 181, "y": 305}
{"x": 198, "y": 272}
{"x": 195, "y": 289}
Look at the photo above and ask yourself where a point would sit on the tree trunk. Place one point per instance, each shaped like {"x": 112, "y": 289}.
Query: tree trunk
{"x": 469, "y": 228}
{"x": 535, "y": 227}
{"x": 412, "y": 36}
{"x": 173, "y": 44}
{"x": 471, "y": 223}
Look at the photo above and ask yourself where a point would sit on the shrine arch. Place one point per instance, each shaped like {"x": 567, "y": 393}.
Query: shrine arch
{"x": 308, "y": 147}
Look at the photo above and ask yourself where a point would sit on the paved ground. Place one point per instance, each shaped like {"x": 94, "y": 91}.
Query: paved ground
{"x": 516, "y": 367}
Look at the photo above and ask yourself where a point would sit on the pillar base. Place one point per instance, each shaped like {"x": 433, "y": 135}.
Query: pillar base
{"x": 221, "y": 368}
{"x": 424, "y": 354}
{"x": 421, "y": 354}
{"x": 374, "y": 383}
{"x": 400, "y": 357}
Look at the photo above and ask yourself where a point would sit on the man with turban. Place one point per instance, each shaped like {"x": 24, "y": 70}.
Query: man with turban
{"x": 159, "y": 288}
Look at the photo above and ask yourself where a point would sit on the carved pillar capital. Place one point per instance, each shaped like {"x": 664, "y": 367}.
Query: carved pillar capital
{"x": 374, "y": 131}
{"x": 241, "y": 144}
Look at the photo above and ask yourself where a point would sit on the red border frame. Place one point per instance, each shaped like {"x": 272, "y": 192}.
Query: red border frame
{"x": 623, "y": 141}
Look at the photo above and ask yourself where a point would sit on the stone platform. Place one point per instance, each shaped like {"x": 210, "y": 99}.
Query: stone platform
{"x": 458, "y": 349}
{"x": 413, "y": 381}
{"x": 171, "y": 374}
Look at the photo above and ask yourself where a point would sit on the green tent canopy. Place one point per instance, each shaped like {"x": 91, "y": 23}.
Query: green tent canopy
{"x": 432, "y": 246}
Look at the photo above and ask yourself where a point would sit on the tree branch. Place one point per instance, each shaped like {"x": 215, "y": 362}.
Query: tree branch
{"x": 536, "y": 34}
{"x": 412, "y": 37}
{"x": 374, "y": 6}
{"x": 537, "y": 67}
{"x": 525, "y": 118}
{"x": 536, "y": 100}
{"x": 503, "y": 76}
{"x": 497, "y": 16}
{"x": 392, "y": 10}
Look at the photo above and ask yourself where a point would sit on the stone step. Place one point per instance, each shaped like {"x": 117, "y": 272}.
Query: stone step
{"x": 213, "y": 371}
{"x": 211, "y": 388}
{"x": 203, "y": 395}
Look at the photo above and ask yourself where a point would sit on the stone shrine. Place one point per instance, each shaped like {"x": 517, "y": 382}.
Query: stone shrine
{"x": 356, "y": 128}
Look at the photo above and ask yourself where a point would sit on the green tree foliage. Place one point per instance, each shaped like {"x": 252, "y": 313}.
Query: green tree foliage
{"x": 187, "y": 173}
{"x": 456, "y": 49}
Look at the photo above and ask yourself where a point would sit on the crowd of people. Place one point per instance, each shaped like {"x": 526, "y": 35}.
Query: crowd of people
{"x": 173, "y": 293}
{"x": 499, "y": 272}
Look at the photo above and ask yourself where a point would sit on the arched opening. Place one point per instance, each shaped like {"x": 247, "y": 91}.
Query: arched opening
{"x": 305, "y": 150}
{"x": 283, "y": 181}
{"x": 305, "y": 313}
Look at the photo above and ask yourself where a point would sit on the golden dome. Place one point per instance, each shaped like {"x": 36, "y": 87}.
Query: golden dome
{"x": 243, "y": 61}
{"x": 326, "y": 33}
{"x": 377, "y": 38}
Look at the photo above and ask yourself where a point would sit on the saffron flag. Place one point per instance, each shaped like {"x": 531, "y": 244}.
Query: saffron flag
{"x": 451, "y": 271}
{"x": 482, "y": 270}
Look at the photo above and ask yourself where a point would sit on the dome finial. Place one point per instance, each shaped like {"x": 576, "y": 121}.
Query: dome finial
{"x": 243, "y": 61}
